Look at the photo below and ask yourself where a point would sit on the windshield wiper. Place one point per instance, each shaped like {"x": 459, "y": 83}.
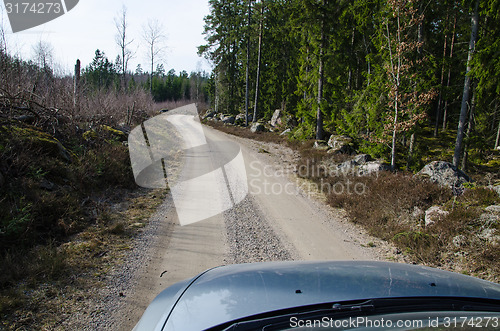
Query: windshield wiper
{"x": 337, "y": 310}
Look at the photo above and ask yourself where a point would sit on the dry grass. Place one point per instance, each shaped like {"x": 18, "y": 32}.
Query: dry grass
{"x": 42, "y": 286}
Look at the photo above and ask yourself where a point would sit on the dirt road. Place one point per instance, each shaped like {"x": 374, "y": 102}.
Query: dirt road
{"x": 276, "y": 220}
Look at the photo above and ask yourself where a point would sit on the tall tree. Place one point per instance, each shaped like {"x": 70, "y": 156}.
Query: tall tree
{"x": 154, "y": 37}
{"x": 467, "y": 85}
{"x": 121, "y": 39}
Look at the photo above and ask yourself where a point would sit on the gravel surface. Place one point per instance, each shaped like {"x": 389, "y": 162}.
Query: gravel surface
{"x": 250, "y": 237}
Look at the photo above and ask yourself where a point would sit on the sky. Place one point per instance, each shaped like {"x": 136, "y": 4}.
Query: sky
{"x": 90, "y": 26}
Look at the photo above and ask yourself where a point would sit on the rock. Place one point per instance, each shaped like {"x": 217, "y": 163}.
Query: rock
{"x": 363, "y": 158}
{"x": 287, "y": 131}
{"x": 340, "y": 144}
{"x": 209, "y": 115}
{"x": 490, "y": 235}
{"x": 257, "y": 127}
{"x": 44, "y": 141}
{"x": 444, "y": 174}
{"x": 495, "y": 188}
{"x": 434, "y": 214}
{"x": 164, "y": 110}
{"x": 495, "y": 209}
{"x": 373, "y": 167}
{"x": 418, "y": 213}
{"x": 118, "y": 134}
{"x": 276, "y": 119}
{"x": 320, "y": 145}
{"x": 459, "y": 241}
{"x": 228, "y": 120}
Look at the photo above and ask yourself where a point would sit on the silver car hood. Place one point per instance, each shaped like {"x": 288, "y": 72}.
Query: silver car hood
{"x": 230, "y": 292}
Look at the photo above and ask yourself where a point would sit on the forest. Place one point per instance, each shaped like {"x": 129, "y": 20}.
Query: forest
{"x": 386, "y": 73}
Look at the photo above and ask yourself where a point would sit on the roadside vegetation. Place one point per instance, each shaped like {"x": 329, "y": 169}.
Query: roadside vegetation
{"x": 69, "y": 205}
{"x": 406, "y": 82}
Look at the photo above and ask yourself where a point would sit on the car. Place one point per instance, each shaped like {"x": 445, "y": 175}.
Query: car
{"x": 325, "y": 294}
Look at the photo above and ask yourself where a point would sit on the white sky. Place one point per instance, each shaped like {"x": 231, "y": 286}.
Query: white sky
{"x": 90, "y": 26}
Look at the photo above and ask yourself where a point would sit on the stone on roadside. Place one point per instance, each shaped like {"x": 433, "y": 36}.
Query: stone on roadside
{"x": 340, "y": 144}
{"x": 257, "y": 127}
{"x": 434, "y": 214}
{"x": 444, "y": 174}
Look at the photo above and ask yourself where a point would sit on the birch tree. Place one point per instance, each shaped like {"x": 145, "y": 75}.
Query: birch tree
{"x": 123, "y": 42}
{"x": 154, "y": 37}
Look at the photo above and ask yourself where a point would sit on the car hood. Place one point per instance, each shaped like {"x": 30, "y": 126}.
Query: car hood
{"x": 230, "y": 292}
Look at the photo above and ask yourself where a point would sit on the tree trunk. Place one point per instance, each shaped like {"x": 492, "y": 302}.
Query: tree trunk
{"x": 319, "y": 114}
{"x": 248, "y": 63}
{"x": 467, "y": 86}
{"x": 469, "y": 131}
{"x": 76, "y": 85}
{"x": 497, "y": 141}
{"x": 258, "y": 67}
{"x": 441, "y": 82}
{"x": 410, "y": 151}
{"x": 445, "y": 108}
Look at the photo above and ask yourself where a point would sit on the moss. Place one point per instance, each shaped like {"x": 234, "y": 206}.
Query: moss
{"x": 39, "y": 139}
{"x": 120, "y": 135}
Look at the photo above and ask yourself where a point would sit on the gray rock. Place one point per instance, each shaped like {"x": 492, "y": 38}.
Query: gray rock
{"x": 209, "y": 115}
{"x": 444, "y": 174}
{"x": 493, "y": 209}
{"x": 276, "y": 119}
{"x": 495, "y": 188}
{"x": 418, "y": 213}
{"x": 257, "y": 127}
{"x": 363, "y": 158}
{"x": 228, "y": 120}
{"x": 340, "y": 144}
{"x": 373, "y": 167}
{"x": 434, "y": 214}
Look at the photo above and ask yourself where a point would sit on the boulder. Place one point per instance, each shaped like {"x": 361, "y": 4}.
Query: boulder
{"x": 276, "y": 119}
{"x": 320, "y": 145}
{"x": 340, "y": 144}
{"x": 115, "y": 133}
{"x": 444, "y": 174}
{"x": 495, "y": 188}
{"x": 44, "y": 141}
{"x": 209, "y": 115}
{"x": 372, "y": 167}
{"x": 257, "y": 127}
{"x": 434, "y": 214}
{"x": 363, "y": 158}
{"x": 228, "y": 120}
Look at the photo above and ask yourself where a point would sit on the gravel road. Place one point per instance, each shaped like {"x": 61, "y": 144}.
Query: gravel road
{"x": 291, "y": 225}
